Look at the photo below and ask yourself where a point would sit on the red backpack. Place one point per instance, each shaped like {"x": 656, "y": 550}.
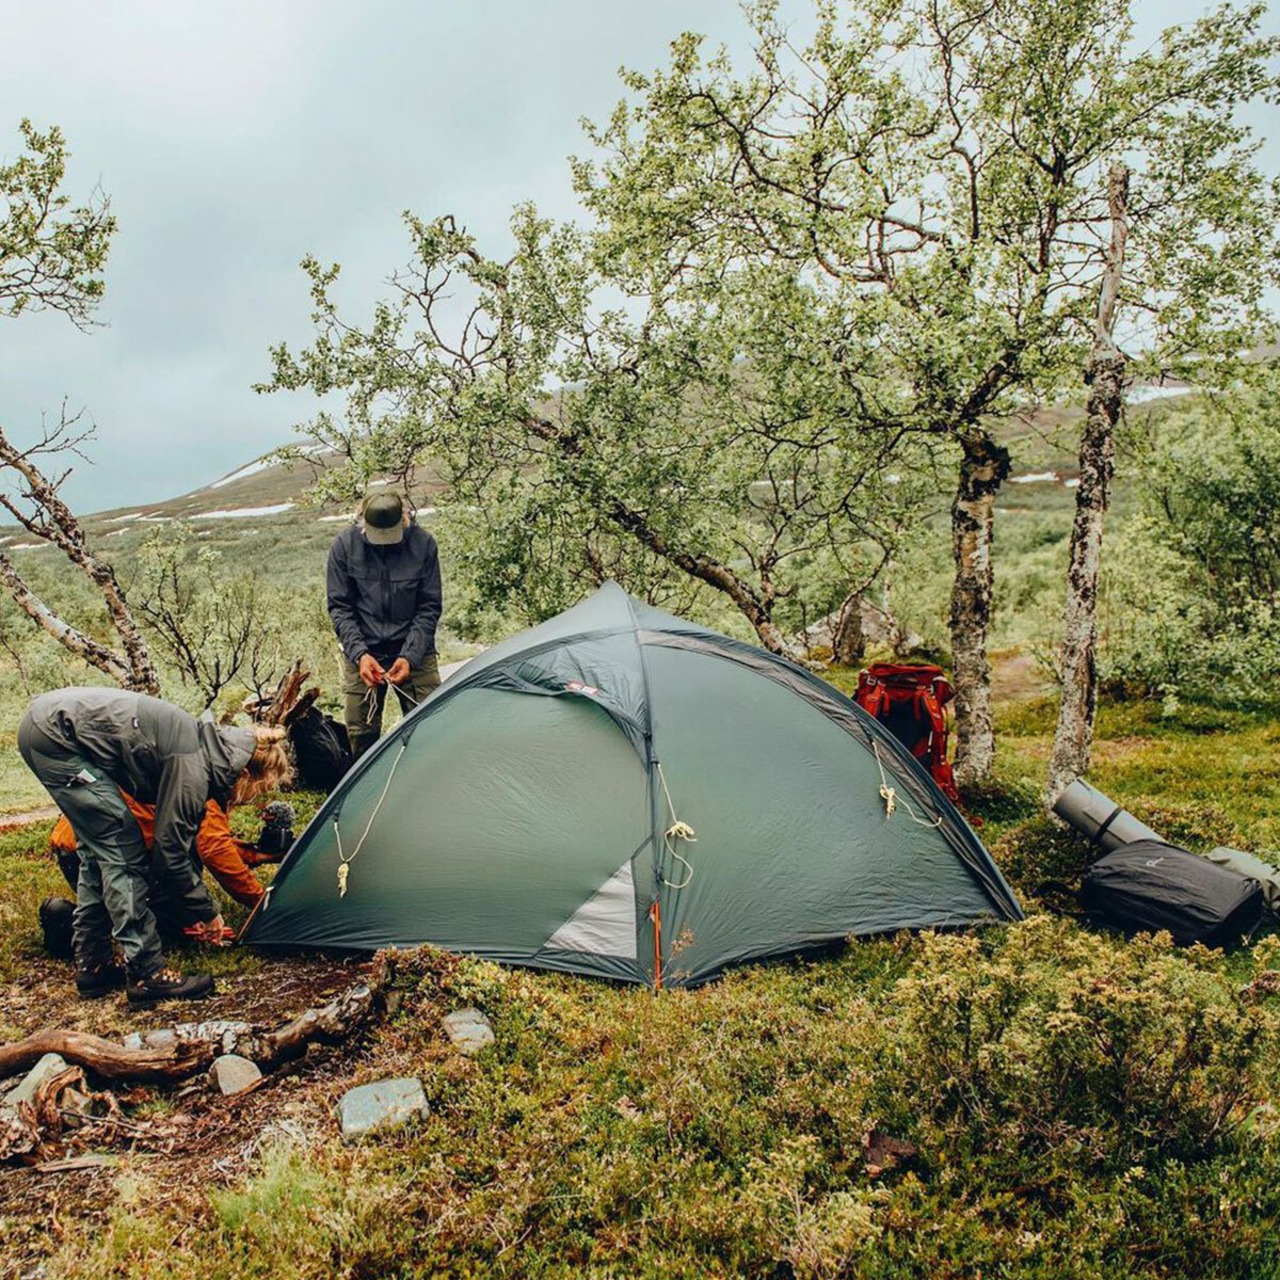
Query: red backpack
{"x": 910, "y": 700}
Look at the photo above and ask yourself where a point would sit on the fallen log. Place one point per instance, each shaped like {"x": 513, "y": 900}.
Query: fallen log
{"x": 106, "y": 1058}
{"x": 177, "y": 1052}
{"x": 330, "y": 1024}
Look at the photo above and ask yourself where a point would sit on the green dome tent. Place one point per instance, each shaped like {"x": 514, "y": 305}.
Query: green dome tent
{"x": 621, "y": 793}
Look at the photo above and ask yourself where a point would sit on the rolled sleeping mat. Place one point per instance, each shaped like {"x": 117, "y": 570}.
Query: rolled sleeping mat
{"x": 1099, "y": 818}
{"x": 1267, "y": 875}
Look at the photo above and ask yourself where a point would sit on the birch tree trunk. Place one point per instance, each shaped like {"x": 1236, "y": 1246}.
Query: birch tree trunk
{"x": 1104, "y": 375}
{"x": 83, "y": 646}
{"x": 984, "y": 466}
{"x": 848, "y": 638}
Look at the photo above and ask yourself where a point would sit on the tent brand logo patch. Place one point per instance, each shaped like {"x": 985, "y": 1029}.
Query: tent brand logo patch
{"x": 1153, "y": 862}
{"x": 588, "y": 690}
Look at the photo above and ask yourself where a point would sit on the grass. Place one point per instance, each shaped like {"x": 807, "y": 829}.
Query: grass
{"x": 1200, "y": 776}
{"x": 1077, "y": 1105}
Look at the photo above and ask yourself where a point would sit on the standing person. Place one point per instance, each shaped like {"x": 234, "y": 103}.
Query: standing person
{"x": 88, "y": 747}
{"x": 385, "y": 601}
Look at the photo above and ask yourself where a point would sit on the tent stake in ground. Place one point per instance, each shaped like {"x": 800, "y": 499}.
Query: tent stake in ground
{"x": 624, "y": 794}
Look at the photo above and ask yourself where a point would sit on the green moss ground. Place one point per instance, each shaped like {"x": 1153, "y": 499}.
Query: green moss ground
{"x": 1078, "y": 1106}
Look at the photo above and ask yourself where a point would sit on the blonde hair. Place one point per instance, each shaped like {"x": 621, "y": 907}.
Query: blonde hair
{"x": 270, "y": 768}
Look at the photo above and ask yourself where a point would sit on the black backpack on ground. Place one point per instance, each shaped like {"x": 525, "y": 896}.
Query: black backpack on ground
{"x": 1146, "y": 886}
{"x": 321, "y": 750}
{"x": 57, "y": 919}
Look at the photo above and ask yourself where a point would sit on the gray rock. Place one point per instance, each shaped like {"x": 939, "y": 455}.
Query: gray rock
{"x": 469, "y": 1030}
{"x": 385, "y": 1104}
{"x": 50, "y": 1065}
{"x": 77, "y": 1108}
{"x": 233, "y": 1074}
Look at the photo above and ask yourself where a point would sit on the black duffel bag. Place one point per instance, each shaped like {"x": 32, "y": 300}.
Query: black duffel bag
{"x": 1147, "y": 885}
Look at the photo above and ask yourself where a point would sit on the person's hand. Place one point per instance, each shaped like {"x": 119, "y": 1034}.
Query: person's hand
{"x": 399, "y": 672}
{"x": 371, "y": 671}
{"x": 213, "y": 932}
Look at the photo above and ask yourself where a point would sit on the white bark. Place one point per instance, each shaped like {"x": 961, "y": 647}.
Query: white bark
{"x": 983, "y": 469}
{"x": 1104, "y": 374}
{"x": 50, "y": 519}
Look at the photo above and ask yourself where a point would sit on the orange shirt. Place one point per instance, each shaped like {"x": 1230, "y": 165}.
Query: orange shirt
{"x": 225, "y": 856}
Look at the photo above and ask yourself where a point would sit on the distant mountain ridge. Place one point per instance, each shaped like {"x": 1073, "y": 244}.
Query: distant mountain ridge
{"x": 266, "y": 485}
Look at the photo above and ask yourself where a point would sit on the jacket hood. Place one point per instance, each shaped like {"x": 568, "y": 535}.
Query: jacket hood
{"x": 227, "y": 750}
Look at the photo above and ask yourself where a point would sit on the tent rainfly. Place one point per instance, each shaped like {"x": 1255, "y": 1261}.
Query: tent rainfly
{"x": 624, "y": 794}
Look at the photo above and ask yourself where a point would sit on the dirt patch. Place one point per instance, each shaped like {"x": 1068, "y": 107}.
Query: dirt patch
{"x": 186, "y": 1138}
{"x": 187, "y": 1141}
{"x": 1017, "y": 676}
{"x": 12, "y": 821}
{"x": 275, "y": 992}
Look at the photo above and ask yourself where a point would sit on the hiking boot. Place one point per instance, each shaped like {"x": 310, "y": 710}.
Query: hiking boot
{"x": 169, "y": 984}
{"x": 99, "y": 979}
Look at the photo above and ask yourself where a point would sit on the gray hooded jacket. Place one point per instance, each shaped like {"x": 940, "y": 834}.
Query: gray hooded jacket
{"x": 161, "y": 756}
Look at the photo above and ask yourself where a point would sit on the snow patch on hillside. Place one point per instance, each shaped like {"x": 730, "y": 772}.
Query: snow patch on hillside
{"x": 250, "y": 469}
{"x": 239, "y": 513}
{"x": 1144, "y": 395}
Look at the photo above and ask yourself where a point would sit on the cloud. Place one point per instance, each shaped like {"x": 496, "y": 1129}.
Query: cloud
{"x": 234, "y": 137}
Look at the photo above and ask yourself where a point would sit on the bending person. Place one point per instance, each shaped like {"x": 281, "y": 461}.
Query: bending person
{"x": 88, "y": 747}
{"x": 229, "y": 859}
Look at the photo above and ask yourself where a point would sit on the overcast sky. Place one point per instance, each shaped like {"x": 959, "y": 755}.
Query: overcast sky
{"x": 234, "y": 137}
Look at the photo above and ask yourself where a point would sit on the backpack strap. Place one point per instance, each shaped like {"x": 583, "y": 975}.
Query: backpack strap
{"x": 927, "y": 700}
{"x": 872, "y": 695}
{"x": 1095, "y": 845}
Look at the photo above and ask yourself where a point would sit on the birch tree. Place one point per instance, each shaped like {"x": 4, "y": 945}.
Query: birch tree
{"x": 1190, "y": 248}
{"x": 51, "y": 258}
{"x": 937, "y": 169}
{"x": 663, "y": 445}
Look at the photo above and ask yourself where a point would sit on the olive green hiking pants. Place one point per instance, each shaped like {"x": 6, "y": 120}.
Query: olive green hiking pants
{"x": 363, "y": 705}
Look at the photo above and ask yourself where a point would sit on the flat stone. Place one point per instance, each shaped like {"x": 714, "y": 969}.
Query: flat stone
{"x": 469, "y": 1030}
{"x": 50, "y": 1065}
{"x": 233, "y": 1074}
{"x": 385, "y": 1104}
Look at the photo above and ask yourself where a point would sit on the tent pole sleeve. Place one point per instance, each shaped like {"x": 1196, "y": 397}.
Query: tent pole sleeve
{"x": 656, "y": 826}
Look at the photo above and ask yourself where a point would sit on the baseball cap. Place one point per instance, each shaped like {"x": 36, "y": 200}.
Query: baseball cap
{"x": 384, "y": 519}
